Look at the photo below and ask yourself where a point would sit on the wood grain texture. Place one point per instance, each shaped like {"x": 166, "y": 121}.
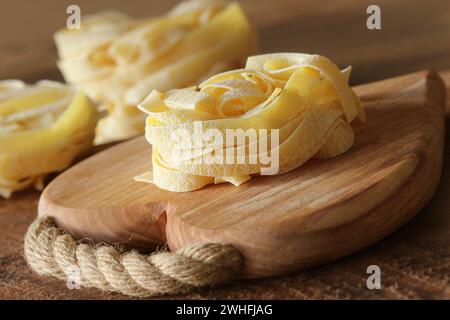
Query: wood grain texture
{"x": 317, "y": 213}
{"x": 415, "y": 260}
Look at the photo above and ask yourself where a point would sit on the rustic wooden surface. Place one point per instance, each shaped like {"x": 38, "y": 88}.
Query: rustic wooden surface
{"x": 414, "y": 260}
{"x": 320, "y": 212}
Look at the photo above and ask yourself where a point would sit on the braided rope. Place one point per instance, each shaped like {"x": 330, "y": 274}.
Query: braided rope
{"x": 50, "y": 251}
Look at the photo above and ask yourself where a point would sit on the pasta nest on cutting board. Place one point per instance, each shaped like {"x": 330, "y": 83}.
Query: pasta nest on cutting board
{"x": 305, "y": 97}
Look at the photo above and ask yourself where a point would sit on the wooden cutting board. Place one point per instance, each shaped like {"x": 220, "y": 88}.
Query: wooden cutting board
{"x": 319, "y": 212}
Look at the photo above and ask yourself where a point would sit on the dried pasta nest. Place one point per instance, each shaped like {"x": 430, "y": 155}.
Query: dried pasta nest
{"x": 304, "y": 98}
{"x": 117, "y": 60}
{"x": 43, "y": 127}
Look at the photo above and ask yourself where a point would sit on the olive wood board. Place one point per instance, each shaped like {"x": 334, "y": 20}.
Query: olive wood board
{"x": 319, "y": 212}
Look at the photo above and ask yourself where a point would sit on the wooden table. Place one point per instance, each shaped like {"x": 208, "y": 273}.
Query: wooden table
{"x": 414, "y": 261}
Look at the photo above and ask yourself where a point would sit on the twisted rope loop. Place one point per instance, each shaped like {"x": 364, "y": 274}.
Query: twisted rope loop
{"x": 50, "y": 251}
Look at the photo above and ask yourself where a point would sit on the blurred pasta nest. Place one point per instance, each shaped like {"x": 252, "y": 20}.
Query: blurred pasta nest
{"x": 117, "y": 60}
{"x": 43, "y": 128}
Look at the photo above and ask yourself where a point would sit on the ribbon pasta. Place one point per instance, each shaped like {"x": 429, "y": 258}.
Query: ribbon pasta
{"x": 43, "y": 127}
{"x": 305, "y": 97}
{"x": 117, "y": 60}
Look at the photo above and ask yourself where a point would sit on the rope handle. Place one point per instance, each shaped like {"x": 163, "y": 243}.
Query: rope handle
{"x": 50, "y": 251}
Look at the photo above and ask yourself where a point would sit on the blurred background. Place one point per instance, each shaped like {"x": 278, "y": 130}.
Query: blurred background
{"x": 415, "y": 34}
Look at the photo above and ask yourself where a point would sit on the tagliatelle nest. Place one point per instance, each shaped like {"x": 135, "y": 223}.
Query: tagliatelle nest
{"x": 305, "y": 99}
{"x": 117, "y": 61}
{"x": 43, "y": 127}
